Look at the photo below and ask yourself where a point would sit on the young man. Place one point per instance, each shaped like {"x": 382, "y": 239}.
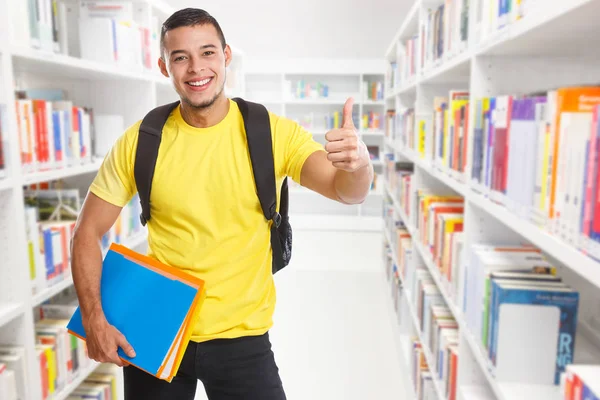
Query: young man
{"x": 207, "y": 219}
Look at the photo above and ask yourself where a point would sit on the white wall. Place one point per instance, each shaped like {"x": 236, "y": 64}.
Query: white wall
{"x": 277, "y": 29}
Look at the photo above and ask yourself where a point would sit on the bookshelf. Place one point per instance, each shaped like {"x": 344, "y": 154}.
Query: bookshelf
{"x": 125, "y": 91}
{"x": 526, "y": 51}
{"x": 310, "y": 92}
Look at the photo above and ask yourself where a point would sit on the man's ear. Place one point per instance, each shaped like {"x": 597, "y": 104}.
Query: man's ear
{"x": 228, "y": 55}
{"x": 163, "y": 67}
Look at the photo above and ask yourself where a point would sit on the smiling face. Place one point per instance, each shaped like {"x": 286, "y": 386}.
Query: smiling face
{"x": 194, "y": 59}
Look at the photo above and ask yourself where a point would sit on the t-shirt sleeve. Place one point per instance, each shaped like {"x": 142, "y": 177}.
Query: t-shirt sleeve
{"x": 115, "y": 182}
{"x": 293, "y": 145}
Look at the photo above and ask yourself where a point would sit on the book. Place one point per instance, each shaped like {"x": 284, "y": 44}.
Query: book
{"x": 164, "y": 300}
{"x": 543, "y": 321}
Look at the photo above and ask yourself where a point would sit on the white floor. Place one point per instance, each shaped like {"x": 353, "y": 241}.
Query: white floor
{"x": 333, "y": 336}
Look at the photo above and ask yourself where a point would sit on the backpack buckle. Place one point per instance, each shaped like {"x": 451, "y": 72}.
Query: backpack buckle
{"x": 277, "y": 219}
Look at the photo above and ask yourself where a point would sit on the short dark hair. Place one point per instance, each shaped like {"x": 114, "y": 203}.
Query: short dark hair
{"x": 189, "y": 17}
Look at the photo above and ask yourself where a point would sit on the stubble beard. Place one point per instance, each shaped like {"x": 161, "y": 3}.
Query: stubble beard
{"x": 206, "y": 104}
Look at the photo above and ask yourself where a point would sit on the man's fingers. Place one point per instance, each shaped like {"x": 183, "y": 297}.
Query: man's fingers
{"x": 114, "y": 358}
{"x": 124, "y": 344}
{"x": 340, "y": 145}
{"x": 348, "y": 156}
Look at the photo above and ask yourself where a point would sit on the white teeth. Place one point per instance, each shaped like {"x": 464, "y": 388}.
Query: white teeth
{"x": 200, "y": 83}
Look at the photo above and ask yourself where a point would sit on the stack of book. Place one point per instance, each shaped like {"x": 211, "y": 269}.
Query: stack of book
{"x": 512, "y": 291}
{"x": 139, "y": 295}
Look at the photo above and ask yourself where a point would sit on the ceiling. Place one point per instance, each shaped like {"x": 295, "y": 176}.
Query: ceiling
{"x": 306, "y": 29}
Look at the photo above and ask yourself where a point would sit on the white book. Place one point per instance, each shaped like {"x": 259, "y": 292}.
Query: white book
{"x": 98, "y": 40}
{"x": 15, "y": 359}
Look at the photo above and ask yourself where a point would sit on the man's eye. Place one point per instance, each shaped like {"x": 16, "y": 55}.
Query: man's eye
{"x": 180, "y": 58}
{"x": 209, "y": 53}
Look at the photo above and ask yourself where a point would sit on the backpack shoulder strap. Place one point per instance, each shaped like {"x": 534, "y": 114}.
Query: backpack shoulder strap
{"x": 149, "y": 137}
{"x": 260, "y": 144}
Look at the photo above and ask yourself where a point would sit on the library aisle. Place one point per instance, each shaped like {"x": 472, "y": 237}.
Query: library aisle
{"x": 334, "y": 332}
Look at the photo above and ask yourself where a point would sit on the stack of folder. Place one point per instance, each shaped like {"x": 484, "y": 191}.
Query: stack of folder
{"x": 153, "y": 305}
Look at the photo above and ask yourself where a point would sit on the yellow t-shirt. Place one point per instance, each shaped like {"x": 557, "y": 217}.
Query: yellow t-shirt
{"x": 205, "y": 214}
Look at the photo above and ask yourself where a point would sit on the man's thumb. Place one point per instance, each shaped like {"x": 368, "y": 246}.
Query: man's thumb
{"x": 347, "y": 114}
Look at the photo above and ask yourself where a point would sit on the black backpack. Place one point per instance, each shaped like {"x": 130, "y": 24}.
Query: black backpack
{"x": 258, "y": 135}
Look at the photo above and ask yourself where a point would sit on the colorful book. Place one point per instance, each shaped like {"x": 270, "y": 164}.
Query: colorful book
{"x": 142, "y": 295}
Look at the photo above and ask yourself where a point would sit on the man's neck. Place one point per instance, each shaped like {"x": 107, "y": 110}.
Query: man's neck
{"x": 205, "y": 117}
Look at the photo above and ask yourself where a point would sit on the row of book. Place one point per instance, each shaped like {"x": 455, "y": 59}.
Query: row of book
{"x": 398, "y": 178}
{"x": 421, "y": 376}
{"x": 100, "y": 31}
{"x": 542, "y": 160}
{"x": 308, "y": 90}
{"x": 441, "y": 136}
{"x": 103, "y": 384}
{"x": 504, "y": 291}
{"x": 324, "y": 120}
{"x": 373, "y": 90}
{"x": 438, "y": 328}
{"x": 443, "y": 32}
{"x": 513, "y": 291}
{"x": 581, "y": 382}
{"x": 370, "y": 120}
{"x": 50, "y": 216}
{"x": 404, "y": 68}
{"x": 52, "y": 134}
{"x": 499, "y": 14}
{"x": 60, "y": 357}
{"x": 535, "y": 154}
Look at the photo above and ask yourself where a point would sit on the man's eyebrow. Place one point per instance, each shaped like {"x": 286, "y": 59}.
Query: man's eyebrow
{"x": 178, "y": 51}
{"x": 208, "y": 46}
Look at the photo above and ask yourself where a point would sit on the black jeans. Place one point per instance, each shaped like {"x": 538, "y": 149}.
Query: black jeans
{"x": 230, "y": 369}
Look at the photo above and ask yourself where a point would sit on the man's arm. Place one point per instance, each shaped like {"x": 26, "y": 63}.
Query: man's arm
{"x": 95, "y": 219}
{"x": 344, "y": 171}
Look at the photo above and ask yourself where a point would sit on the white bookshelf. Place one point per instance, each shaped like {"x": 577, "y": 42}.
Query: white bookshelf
{"x": 107, "y": 89}
{"x": 549, "y": 47}
{"x": 274, "y": 84}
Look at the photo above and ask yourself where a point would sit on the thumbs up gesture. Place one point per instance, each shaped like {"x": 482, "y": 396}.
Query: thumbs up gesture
{"x": 344, "y": 148}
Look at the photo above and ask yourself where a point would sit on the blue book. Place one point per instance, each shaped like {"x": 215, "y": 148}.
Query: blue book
{"x": 153, "y": 305}
{"x": 564, "y": 299}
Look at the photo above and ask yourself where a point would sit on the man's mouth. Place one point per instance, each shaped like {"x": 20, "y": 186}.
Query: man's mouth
{"x": 199, "y": 83}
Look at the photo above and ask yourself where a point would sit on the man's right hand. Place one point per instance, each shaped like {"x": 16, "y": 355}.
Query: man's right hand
{"x": 103, "y": 341}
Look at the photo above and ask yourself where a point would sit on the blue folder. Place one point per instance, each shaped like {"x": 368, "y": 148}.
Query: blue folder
{"x": 147, "y": 307}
